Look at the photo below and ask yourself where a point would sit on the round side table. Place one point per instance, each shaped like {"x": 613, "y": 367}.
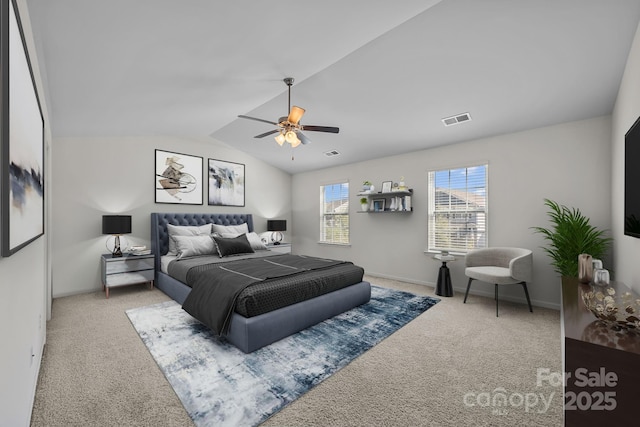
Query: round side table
{"x": 444, "y": 287}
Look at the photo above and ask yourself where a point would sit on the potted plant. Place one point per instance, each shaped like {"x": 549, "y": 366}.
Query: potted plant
{"x": 571, "y": 235}
{"x": 364, "y": 203}
{"x": 366, "y": 186}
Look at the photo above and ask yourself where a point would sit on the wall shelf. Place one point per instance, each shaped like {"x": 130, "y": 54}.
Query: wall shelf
{"x": 404, "y": 196}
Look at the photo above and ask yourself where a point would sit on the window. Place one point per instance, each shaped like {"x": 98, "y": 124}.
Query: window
{"x": 457, "y": 206}
{"x": 334, "y": 213}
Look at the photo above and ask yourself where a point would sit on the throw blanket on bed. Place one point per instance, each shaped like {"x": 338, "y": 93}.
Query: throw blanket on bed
{"x": 215, "y": 287}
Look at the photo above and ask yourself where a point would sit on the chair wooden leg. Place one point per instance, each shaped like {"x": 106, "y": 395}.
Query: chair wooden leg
{"x": 467, "y": 293}
{"x": 526, "y": 292}
{"x": 496, "y": 287}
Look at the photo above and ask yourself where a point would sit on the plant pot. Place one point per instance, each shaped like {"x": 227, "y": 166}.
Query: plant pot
{"x": 365, "y": 206}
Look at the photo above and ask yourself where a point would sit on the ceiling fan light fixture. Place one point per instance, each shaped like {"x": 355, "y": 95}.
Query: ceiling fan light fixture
{"x": 295, "y": 115}
{"x": 280, "y": 139}
{"x": 295, "y": 143}
{"x": 290, "y": 137}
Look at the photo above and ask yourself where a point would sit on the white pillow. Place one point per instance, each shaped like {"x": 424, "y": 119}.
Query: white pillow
{"x": 194, "y": 245}
{"x": 230, "y": 230}
{"x": 255, "y": 241}
{"x": 185, "y": 230}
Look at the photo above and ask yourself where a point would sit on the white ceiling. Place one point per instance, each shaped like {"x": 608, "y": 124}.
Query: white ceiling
{"x": 385, "y": 72}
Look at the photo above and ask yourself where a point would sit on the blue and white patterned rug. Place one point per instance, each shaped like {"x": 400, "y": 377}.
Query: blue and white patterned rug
{"x": 220, "y": 385}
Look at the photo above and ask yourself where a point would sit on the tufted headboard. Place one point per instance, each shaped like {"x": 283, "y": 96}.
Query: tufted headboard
{"x": 160, "y": 234}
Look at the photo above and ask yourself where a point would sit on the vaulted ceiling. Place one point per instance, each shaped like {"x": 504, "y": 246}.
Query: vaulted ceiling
{"x": 385, "y": 72}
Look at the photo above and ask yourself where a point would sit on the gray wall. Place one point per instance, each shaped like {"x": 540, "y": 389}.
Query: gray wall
{"x": 625, "y": 113}
{"x": 568, "y": 163}
{"x": 23, "y": 297}
{"x": 96, "y": 176}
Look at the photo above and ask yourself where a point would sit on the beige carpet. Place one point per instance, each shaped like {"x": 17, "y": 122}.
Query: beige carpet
{"x": 443, "y": 369}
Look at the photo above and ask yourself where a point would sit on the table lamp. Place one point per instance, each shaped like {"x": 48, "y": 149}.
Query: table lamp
{"x": 116, "y": 225}
{"x": 276, "y": 226}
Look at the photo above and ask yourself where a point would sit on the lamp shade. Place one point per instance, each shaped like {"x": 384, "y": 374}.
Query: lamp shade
{"x": 116, "y": 224}
{"x": 277, "y": 225}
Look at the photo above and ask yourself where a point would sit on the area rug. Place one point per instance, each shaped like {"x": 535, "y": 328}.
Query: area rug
{"x": 222, "y": 386}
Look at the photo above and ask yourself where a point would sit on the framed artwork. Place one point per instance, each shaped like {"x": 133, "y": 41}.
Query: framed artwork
{"x": 21, "y": 139}
{"x": 378, "y": 205}
{"x": 178, "y": 178}
{"x": 226, "y": 183}
{"x": 386, "y": 186}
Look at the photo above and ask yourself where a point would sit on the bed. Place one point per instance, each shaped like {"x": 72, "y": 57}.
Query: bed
{"x": 251, "y": 332}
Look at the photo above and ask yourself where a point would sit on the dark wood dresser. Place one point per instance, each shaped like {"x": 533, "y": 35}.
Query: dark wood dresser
{"x": 601, "y": 364}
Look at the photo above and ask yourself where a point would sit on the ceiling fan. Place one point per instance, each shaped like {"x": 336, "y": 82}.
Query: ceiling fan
{"x": 288, "y": 127}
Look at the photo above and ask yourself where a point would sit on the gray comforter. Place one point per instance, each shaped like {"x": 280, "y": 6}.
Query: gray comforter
{"x": 216, "y": 286}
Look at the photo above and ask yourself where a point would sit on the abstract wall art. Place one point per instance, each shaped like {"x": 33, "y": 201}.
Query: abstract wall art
{"x": 226, "y": 183}
{"x": 178, "y": 178}
{"x": 21, "y": 139}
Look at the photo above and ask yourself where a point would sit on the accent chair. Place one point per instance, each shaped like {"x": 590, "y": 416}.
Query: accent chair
{"x": 500, "y": 266}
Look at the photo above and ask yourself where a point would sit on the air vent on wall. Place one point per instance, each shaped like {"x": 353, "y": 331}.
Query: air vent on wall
{"x": 458, "y": 118}
{"x": 331, "y": 153}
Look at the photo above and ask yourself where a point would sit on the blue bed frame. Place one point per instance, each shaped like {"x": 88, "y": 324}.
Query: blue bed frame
{"x": 252, "y": 333}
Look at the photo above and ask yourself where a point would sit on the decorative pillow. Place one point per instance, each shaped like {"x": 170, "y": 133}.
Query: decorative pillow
{"x": 186, "y": 230}
{"x": 194, "y": 245}
{"x": 236, "y": 230}
{"x": 232, "y": 246}
{"x": 255, "y": 241}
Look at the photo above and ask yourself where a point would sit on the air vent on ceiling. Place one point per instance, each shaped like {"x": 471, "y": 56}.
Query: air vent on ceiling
{"x": 458, "y": 118}
{"x": 331, "y": 153}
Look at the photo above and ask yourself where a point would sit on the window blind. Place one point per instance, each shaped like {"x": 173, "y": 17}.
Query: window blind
{"x": 334, "y": 213}
{"x": 457, "y": 209}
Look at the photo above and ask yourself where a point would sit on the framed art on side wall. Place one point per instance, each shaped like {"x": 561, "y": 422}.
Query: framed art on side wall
{"x": 178, "y": 178}
{"x": 21, "y": 139}
{"x": 226, "y": 183}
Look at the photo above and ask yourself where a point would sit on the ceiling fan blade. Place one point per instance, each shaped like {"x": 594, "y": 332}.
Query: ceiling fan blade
{"x": 258, "y": 120}
{"x": 329, "y": 129}
{"x": 271, "y": 132}
{"x": 295, "y": 115}
{"x": 303, "y": 138}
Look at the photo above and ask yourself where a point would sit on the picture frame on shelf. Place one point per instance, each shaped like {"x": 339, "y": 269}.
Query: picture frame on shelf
{"x": 386, "y": 186}
{"x": 378, "y": 205}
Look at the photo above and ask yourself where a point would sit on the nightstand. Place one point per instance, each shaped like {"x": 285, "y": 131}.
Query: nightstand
{"x": 126, "y": 270}
{"x": 283, "y": 248}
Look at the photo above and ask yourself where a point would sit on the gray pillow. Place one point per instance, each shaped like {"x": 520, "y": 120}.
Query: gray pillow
{"x": 194, "y": 245}
{"x": 229, "y": 229}
{"x": 232, "y": 246}
{"x": 185, "y": 230}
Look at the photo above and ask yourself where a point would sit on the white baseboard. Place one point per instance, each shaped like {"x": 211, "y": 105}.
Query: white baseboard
{"x": 472, "y": 291}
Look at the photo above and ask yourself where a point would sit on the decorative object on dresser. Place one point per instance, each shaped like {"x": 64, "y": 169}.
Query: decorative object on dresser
{"x": 600, "y": 329}
{"x": 246, "y": 389}
{"x": 126, "y": 270}
{"x": 276, "y": 226}
{"x": 178, "y": 178}
{"x": 21, "y": 141}
{"x": 116, "y": 225}
{"x": 226, "y": 183}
